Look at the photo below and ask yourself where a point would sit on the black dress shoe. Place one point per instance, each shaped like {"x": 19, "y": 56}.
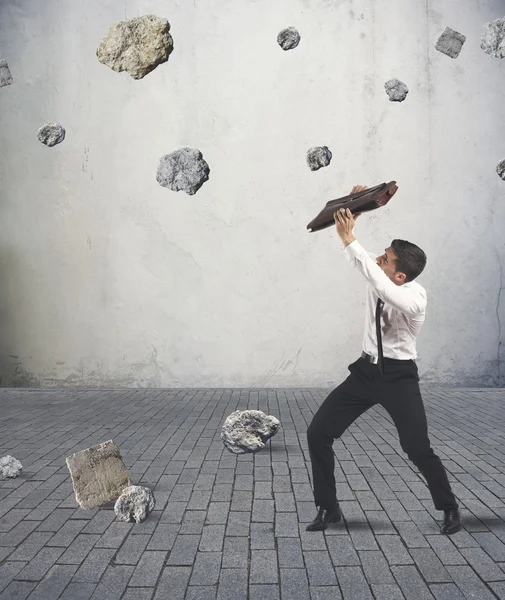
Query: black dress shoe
{"x": 325, "y": 516}
{"x": 452, "y": 521}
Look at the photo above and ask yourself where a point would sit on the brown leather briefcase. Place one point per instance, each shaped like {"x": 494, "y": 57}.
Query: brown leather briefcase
{"x": 358, "y": 202}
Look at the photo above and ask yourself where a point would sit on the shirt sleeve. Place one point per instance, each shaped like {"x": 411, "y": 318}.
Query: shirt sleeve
{"x": 407, "y": 300}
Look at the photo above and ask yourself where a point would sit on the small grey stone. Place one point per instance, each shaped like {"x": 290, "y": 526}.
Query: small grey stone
{"x": 136, "y": 46}
{"x": 5, "y": 74}
{"x": 184, "y": 169}
{"x": 500, "y": 169}
{"x": 450, "y": 42}
{"x": 396, "y": 90}
{"x": 98, "y": 474}
{"x": 248, "y": 430}
{"x": 288, "y": 38}
{"x": 51, "y": 134}
{"x": 134, "y": 504}
{"x": 493, "y": 38}
{"x": 317, "y": 157}
{"x": 10, "y": 466}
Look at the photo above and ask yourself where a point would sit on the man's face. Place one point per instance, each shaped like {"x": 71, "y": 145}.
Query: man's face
{"x": 387, "y": 262}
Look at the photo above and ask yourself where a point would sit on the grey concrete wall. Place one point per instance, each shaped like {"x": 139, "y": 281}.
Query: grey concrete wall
{"x": 108, "y": 279}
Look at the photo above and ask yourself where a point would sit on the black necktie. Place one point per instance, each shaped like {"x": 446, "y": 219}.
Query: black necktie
{"x": 378, "y": 309}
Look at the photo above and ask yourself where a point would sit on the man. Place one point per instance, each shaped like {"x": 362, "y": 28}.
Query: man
{"x": 395, "y": 311}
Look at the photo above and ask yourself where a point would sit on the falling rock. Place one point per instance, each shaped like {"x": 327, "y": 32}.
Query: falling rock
{"x": 317, "y": 157}
{"x": 134, "y": 504}
{"x": 288, "y": 38}
{"x": 5, "y": 74}
{"x": 493, "y": 38}
{"x": 98, "y": 474}
{"x": 184, "y": 169}
{"x": 136, "y": 46}
{"x": 248, "y": 430}
{"x": 10, "y": 466}
{"x": 450, "y": 42}
{"x": 396, "y": 90}
{"x": 500, "y": 169}
{"x": 51, "y": 134}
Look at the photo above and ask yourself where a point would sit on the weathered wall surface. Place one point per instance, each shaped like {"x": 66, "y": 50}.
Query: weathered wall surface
{"x": 109, "y": 279}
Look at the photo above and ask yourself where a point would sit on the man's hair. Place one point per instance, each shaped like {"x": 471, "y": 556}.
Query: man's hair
{"x": 411, "y": 260}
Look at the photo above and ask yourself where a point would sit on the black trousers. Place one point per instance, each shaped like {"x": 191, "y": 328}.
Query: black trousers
{"x": 398, "y": 392}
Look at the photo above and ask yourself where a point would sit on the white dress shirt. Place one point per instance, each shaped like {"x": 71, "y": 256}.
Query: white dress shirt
{"x": 403, "y": 312}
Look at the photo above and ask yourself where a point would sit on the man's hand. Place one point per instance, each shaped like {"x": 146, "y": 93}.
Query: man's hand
{"x": 345, "y": 220}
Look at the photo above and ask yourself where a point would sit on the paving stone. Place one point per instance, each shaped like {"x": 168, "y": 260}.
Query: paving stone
{"x": 147, "y": 571}
{"x": 138, "y": 593}
{"x": 18, "y": 533}
{"x": 184, "y": 550}
{"x": 132, "y": 549}
{"x": 236, "y": 552}
{"x": 40, "y": 564}
{"x": 206, "y": 568}
{"x": 376, "y": 568}
{"x": 173, "y": 583}
{"x": 342, "y": 551}
{"x": 429, "y": 565}
{"x": 469, "y": 584}
{"x": 18, "y": 590}
{"x": 411, "y": 584}
{"x": 263, "y": 566}
{"x": 31, "y": 546}
{"x": 387, "y": 592}
{"x": 483, "y": 564}
{"x": 446, "y": 550}
{"x": 54, "y": 582}
{"x": 78, "y": 549}
{"x": 394, "y": 550}
{"x": 94, "y": 565}
{"x": 113, "y": 583}
{"x": 492, "y": 545}
{"x": 446, "y": 591}
{"x": 353, "y": 584}
{"x": 78, "y": 591}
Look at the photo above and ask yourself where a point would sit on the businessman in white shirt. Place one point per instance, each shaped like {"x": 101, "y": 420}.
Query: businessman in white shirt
{"x": 385, "y": 374}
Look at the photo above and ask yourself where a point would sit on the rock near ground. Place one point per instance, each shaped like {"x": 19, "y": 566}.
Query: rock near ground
{"x": 98, "y": 474}
{"x": 493, "y": 38}
{"x": 10, "y": 466}
{"x": 450, "y": 42}
{"x": 134, "y": 504}
{"x": 5, "y": 74}
{"x": 248, "y": 430}
{"x": 136, "y": 46}
{"x": 51, "y": 134}
{"x": 184, "y": 169}
{"x": 396, "y": 90}
{"x": 500, "y": 169}
{"x": 288, "y": 38}
{"x": 318, "y": 157}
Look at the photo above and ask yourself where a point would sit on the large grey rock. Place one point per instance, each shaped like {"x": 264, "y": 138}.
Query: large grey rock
{"x": 184, "y": 169}
{"x": 10, "y": 466}
{"x": 493, "y": 38}
{"x": 288, "y": 38}
{"x": 98, "y": 474}
{"x": 248, "y": 430}
{"x": 450, "y": 42}
{"x": 396, "y": 90}
{"x": 136, "y": 46}
{"x": 51, "y": 134}
{"x": 500, "y": 169}
{"x": 317, "y": 157}
{"x": 134, "y": 504}
{"x": 5, "y": 74}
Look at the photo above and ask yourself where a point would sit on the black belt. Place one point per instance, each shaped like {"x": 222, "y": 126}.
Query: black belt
{"x": 392, "y": 361}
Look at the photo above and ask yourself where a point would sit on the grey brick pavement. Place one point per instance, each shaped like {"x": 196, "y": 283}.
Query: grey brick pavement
{"x": 233, "y": 527}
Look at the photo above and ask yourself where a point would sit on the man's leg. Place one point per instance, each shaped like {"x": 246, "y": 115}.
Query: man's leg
{"x": 340, "y": 409}
{"x": 404, "y": 403}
